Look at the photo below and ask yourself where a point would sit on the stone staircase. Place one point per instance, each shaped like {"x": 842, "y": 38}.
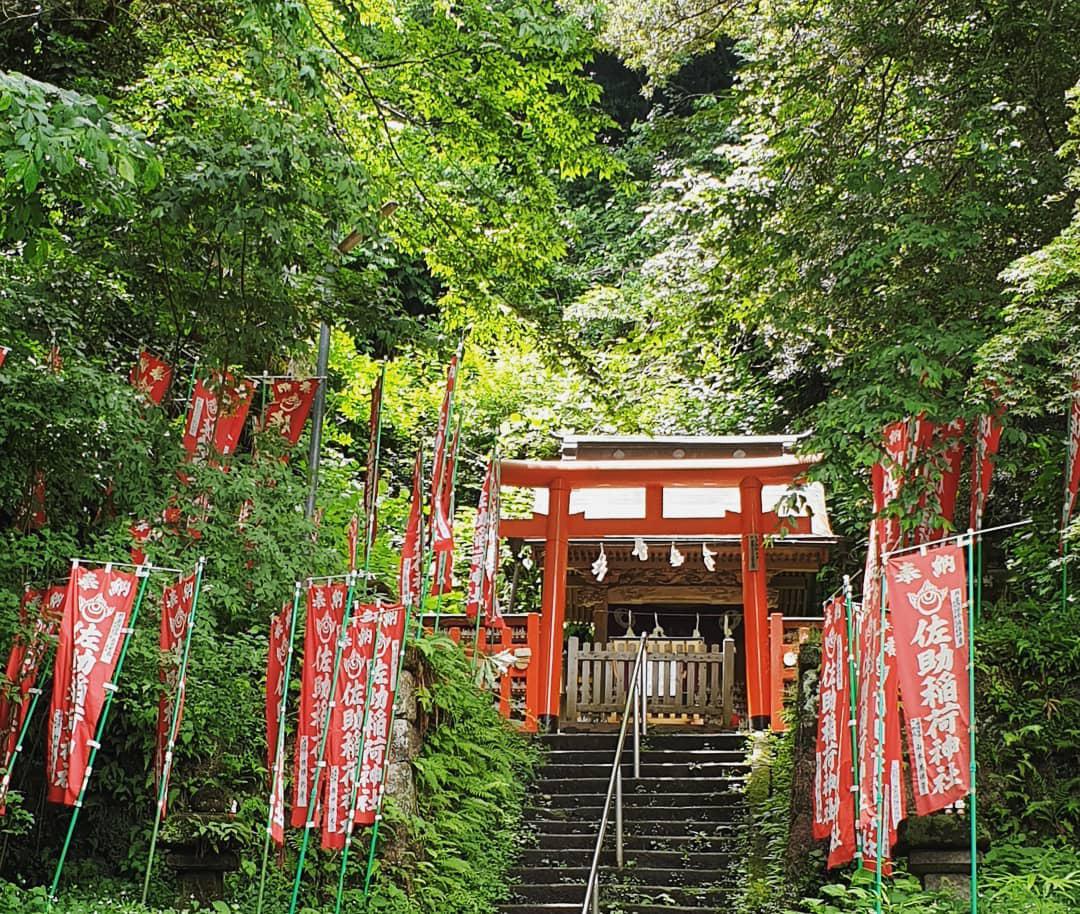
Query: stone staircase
{"x": 681, "y": 823}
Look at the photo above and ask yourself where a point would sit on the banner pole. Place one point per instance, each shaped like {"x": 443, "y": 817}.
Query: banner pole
{"x": 971, "y": 729}
{"x": 879, "y": 753}
{"x": 355, "y": 789}
{"x": 144, "y": 573}
{"x": 279, "y": 750}
{"x": 978, "y": 579}
{"x": 480, "y": 621}
{"x": 1064, "y": 571}
{"x": 174, "y": 724}
{"x": 854, "y": 702}
{"x": 320, "y": 758}
{"x": 374, "y": 839}
{"x": 455, "y": 442}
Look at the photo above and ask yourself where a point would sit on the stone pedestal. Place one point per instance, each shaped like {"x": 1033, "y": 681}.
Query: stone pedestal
{"x": 201, "y": 864}
{"x": 942, "y": 868}
{"x": 938, "y": 849}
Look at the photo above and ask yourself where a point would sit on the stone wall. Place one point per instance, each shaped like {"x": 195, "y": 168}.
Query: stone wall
{"x": 406, "y": 741}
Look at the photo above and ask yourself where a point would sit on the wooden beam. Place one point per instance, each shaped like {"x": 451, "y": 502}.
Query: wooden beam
{"x": 653, "y": 527}
{"x": 584, "y": 474}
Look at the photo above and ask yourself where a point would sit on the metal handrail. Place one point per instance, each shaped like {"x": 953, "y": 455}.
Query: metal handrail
{"x": 635, "y": 697}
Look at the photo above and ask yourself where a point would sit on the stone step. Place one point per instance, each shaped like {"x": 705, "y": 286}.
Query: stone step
{"x": 664, "y": 828}
{"x": 642, "y": 876}
{"x": 710, "y": 813}
{"x": 654, "y": 785}
{"x": 691, "y": 844}
{"x": 638, "y": 800}
{"x": 642, "y": 892}
{"x": 671, "y": 768}
{"x": 569, "y": 858}
{"x": 604, "y": 758}
{"x": 661, "y": 740}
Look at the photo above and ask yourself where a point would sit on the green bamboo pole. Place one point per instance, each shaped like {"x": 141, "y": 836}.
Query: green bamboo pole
{"x": 853, "y": 723}
{"x": 879, "y": 754}
{"x": 143, "y": 571}
{"x": 971, "y": 730}
{"x": 279, "y": 750}
{"x": 191, "y": 383}
{"x": 166, "y": 767}
{"x": 320, "y": 758}
{"x": 354, "y": 790}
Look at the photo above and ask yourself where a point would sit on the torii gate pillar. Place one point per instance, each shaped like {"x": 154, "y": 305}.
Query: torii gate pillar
{"x": 553, "y": 602}
{"x": 755, "y": 604}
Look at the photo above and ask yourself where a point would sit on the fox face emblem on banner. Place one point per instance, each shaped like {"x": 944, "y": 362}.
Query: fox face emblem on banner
{"x": 96, "y": 609}
{"x": 325, "y": 613}
{"x": 927, "y": 593}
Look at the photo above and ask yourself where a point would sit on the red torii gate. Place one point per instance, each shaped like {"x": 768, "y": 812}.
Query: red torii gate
{"x": 751, "y": 524}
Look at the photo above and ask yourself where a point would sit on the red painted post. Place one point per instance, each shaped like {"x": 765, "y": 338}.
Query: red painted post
{"x": 553, "y": 600}
{"x": 532, "y": 674}
{"x": 506, "y": 681}
{"x": 755, "y": 603}
{"x": 776, "y": 667}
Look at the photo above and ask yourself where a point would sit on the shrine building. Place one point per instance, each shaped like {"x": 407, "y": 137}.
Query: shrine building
{"x": 710, "y": 544}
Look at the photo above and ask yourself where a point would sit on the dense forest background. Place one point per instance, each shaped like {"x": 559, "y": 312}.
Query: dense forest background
{"x": 648, "y": 217}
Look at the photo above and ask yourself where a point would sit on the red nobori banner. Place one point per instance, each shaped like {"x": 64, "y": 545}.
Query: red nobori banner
{"x": 890, "y": 782}
{"x": 151, "y": 377}
{"x": 235, "y": 401}
{"x": 481, "y": 596}
{"x": 49, "y": 608}
{"x": 290, "y": 405}
{"x": 346, "y": 725}
{"x": 834, "y": 811}
{"x": 29, "y": 608}
{"x": 987, "y": 441}
{"x": 1072, "y": 469}
{"x": 201, "y": 420}
{"x": 441, "y": 529}
{"x": 897, "y": 437}
{"x": 928, "y": 599}
{"x": 947, "y": 481}
{"x": 325, "y": 613}
{"x": 276, "y": 659}
{"x": 444, "y": 583}
{"x": 97, "y": 607}
{"x": 175, "y": 619}
{"x": 216, "y": 415}
{"x": 410, "y": 573}
{"x": 384, "y": 673}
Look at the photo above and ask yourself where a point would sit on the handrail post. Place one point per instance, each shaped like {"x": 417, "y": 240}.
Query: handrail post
{"x": 634, "y": 694}
{"x": 618, "y": 818}
{"x": 635, "y": 684}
